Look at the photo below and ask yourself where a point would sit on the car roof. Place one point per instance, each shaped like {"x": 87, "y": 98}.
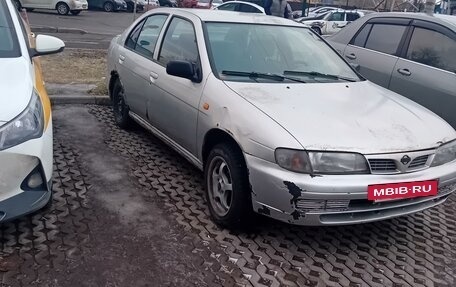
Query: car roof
{"x": 208, "y": 15}
{"x": 446, "y": 20}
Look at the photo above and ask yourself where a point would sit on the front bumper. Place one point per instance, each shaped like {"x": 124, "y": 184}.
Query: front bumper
{"x": 337, "y": 199}
{"x": 17, "y": 165}
{"x": 78, "y": 6}
{"x": 120, "y": 7}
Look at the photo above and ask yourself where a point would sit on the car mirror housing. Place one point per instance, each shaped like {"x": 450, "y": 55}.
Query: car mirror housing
{"x": 47, "y": 45}
{"x": 182, "y": 69}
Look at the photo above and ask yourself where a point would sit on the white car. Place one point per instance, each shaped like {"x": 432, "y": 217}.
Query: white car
{"x": 241, "y": 6}
{"x": 333, "y": 21}
{"x": 25, "y": 117}
{"x": 320, "y": 10}
{"x": 63, "y": 7}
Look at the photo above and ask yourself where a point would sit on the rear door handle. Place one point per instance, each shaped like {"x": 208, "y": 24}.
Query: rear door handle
{"x": 153, "y": 76}
{"x": 351, "y": 56}
{"x": 121, "y": 59}
{"x": 405, "y": 72}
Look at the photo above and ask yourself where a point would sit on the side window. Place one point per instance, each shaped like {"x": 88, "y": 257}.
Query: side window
{"x": 360, "y": 39}
{"x": 385, "y": 38}
{"x": 248, "y": 8}
{"x": 179, "y": 43}
{"x": 229, "y": 7}
{"x": 352, "y": 16}
{"x": 337, "y": 16}
{"x": 133, "y": 37}
{"x": 148, "y": 36}
{"x": 433, "y": 49}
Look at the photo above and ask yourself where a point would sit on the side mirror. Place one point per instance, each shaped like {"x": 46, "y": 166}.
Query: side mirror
{"x": 357, "y": 67}
{"x": 46, "y": 45}
{"x": 182, "y": 69}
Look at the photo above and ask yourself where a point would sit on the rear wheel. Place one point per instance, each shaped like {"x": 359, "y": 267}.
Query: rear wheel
{"x": 227, "y": 186}
{"x": 62, "y": 8}
{"x": 108, "y": 6}
{"x": 75, "y": 12}
{"x": 119, "y": 106}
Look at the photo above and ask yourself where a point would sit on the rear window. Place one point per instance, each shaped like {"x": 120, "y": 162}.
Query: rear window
{"x": 9, "y": 47}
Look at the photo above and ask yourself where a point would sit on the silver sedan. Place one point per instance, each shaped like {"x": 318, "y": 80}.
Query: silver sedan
{"x": 277, "y": 120}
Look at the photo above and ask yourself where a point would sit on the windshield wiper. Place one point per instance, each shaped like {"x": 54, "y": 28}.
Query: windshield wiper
{"x": 318, "y": 74}
{"x": 256, "y": 75}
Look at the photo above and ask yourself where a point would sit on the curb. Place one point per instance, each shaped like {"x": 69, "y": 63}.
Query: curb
{"x": 49, "y": 29}
{"x": 80, "y": 100}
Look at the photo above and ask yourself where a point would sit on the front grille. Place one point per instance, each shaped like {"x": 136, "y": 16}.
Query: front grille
{"x": 419, "y": 161}
{"x": 382, "y": 165}
{"x": 313, "y": 204}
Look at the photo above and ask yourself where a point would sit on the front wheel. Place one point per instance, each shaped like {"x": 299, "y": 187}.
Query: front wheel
{"x": 317, "y": 29}
{"x": 75, "y": 12}
{"x": 62, "y": 8}
{"x": 227, "y": 186}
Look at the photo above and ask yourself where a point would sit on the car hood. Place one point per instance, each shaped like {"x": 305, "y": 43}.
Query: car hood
{"x": 356, "y": 117}
{"x": 15, "y": 86}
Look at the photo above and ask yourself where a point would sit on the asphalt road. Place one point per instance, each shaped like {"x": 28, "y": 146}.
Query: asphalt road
{"x": 99, "y": 27}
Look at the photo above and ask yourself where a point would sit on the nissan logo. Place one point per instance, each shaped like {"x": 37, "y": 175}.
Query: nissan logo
{"x": 405, "y": 160}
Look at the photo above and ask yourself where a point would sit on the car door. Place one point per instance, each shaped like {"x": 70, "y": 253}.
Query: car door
{"x": 375, "y": 48}
{"x": 335, "y": 20}
{"x": 426, "y": 71}
{"x": 174, "y": 108}
{"x": 36, "y": 4}
{"x": 136, "y": 61}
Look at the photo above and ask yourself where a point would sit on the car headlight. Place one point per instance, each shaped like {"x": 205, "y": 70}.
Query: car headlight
{"x": 321, "y": 162}
{"x": 445, "y": 154}
{"x": 28, "y": 125}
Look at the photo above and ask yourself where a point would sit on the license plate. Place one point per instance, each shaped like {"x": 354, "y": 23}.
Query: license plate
{"x": 392, "y": 191}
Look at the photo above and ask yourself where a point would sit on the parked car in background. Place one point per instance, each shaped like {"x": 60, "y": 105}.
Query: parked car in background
{"x": 26, "y": 152}
{"x": 169, "y": 3}
{"x": 319, "y": 10}
{"x": 410, "y": 53}
{"x": 63, "y": 7}
{"x": 140, "y": 5}
{"x": 204, "y": 4}
{"x": 108, "y": 5}
{"x": 319, "y": 17}
{"x": 333, "y": 21}
{"x": 277, "y": 120}
{"x": 241, "y": 6}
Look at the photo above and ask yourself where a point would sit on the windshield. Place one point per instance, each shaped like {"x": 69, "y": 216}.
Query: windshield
{"x": 276, "y": 50}
{"x": 9, "y": 47}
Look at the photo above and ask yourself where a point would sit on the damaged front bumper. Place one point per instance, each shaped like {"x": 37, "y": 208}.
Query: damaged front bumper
{"x": 337, "y": 199}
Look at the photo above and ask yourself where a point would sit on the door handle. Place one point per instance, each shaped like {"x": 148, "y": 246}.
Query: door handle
{"x": 121, "y": 59}
{"x": 153, "y": 76}
{"x": 405, "y": 72}
{"x": 351, "y": 56}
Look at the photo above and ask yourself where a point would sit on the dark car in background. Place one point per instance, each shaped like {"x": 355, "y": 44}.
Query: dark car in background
{"x": 108, "y": 5}
{"x": 168, "y": 3}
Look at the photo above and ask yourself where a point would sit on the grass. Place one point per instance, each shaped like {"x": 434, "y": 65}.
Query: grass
{"x": 77, "y": 66}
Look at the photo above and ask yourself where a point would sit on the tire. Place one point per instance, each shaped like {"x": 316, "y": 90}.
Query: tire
{"x": 75, "y": 12}
{"x": 317, "y": 30}
{"x": 119, "y": 107}
{"x": 226, "y": 167}
{"x": 108, "y": 6}
{"x": 62, "y": 8}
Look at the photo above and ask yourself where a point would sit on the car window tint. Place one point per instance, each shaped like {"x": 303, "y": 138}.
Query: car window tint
{"x": 179, "y": 43}
{"x": 352, "y": 16}
{"x": 432, "y": 48}
{"x": 149, "y": 35}
{"x": 337, "y": 16}
{"x": 385, "y": 38}
{"x": 228, "y": 7}
{"x": 248, "y": 9}
{"x": 360, "y": 39}
{"x": 133, "y": 38}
